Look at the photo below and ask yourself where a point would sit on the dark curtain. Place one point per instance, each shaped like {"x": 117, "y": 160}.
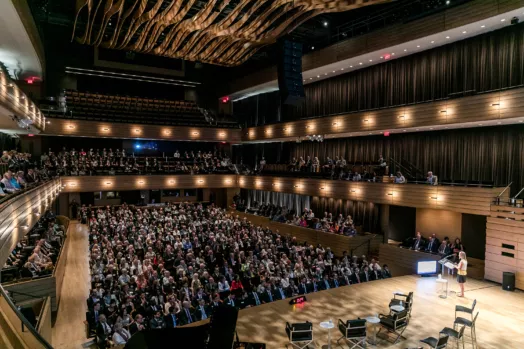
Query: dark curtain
{"x": 251, "y": 154}
{"x": 365, "y": 214}
{"x": 480, "y": 154}
{"x": 486, "y": 62}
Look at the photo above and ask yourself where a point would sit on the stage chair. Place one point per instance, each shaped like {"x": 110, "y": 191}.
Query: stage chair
{"x": 435, "y": 343}
{"x": 460, "y": 308}
{"x": 395, "y": 323}
{"x": 458, "y": 335}
{"x": 471, "y": 324}
{"x": 354, "y": 331}
{"x": 300, "y": 333}
{"x": 407, "y": 301}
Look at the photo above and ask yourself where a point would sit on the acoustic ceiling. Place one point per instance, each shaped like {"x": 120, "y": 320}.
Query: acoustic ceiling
{"x": 223, "y": 32}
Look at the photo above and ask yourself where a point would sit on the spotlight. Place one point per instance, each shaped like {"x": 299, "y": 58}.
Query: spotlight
{"x": 325, "y": 23}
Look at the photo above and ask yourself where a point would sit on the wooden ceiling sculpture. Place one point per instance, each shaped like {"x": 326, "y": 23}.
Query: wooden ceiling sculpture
{"x": 222, "y": 32}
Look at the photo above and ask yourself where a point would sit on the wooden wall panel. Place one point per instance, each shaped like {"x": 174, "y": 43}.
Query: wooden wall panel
{"x": 507, "y": 104}
{"x": 394, "y": 35}
{"x": 457, "y": 199}
{"x": 505, "y": 243}
{"x": 100, "y": 129}
{"x": 138, "y": 182}
{"x": 337, "y": 243}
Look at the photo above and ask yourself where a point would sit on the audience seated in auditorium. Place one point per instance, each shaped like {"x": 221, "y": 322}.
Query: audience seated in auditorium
{"x": 171, "y": 265}
{"x": 28, "y": 260}
{"x": 96, "y": 161}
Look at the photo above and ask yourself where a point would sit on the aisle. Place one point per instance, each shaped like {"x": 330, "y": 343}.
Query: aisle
{"x": 69, "y": 329}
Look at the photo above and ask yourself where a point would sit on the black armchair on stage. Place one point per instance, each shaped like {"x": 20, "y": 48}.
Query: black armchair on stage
{"x": 463, "y": 309}
{"x": 300, "y": 333}
{"x": 435, "y": 343}
{"x": 404, "y": 300}
{"x": 354, "y": 331}
{"x": 395, "y": 323}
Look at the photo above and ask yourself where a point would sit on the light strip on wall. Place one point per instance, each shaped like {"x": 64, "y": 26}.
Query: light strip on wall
{"x": 102, "y": 72}
{"x": 132, "y": 79}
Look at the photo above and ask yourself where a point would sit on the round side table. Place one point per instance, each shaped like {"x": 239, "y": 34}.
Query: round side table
{"x": 443, "y": 282}
{"x": 374, "y": 321}
{"x": 328, "y": 325}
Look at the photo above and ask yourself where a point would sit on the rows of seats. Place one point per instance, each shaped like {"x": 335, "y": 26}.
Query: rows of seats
{"x": 115, "y": 108}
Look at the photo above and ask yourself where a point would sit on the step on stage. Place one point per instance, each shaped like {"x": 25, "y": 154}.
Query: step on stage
{"x": 499, "y": 325}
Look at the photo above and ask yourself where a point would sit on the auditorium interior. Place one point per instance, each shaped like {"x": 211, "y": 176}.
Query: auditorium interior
{"x": 261, "y": 174}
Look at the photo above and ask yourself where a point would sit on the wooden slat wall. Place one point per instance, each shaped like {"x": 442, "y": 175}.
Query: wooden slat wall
{"x": 100, "y": 129}
{"x": 458, "y": 199}
{"x": 337, "y": 243}
{"x": 476, "y": 108}
{"x": 39, "y": 288}
{"x": 402, "y": 261}
{"x": 137, "y": 182}
{"x": 505, "y": 226}
{"x": 452, "y": 18}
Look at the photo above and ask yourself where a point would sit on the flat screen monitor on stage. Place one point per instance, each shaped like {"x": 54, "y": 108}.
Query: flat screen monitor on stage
{"x": 427, "y": 267}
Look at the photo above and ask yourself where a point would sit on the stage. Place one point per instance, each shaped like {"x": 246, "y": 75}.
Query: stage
{"x": 499, "y": 324}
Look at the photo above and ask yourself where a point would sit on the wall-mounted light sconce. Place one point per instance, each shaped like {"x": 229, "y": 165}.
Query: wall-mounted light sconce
{"x": 366, "y": 120}
{"x": 105, "y": 129}
{"x": 443, "y": 111}
{"x": 495, "y": 104}
{"x": 201, "y": 181}
{"x": 137, "y": 130}
{"x": 71, "y": 126}
{"x": 222, "y": 134}
{"x": 401, "y": 116}
{"x": 172, "y": 181}
{"x": 25, "y": 227}
{"x": 334, "y": 124}
{"x": 108, "y": 183}
{"x": 296, "y": 186}
{"x": 195, "y": 133}
{"x": 321, "y": 188}
{"x": 72, "y": 184}
{"x": 433, "y": 197}
{"x": 140, "y": 182}
{"x": 353, "y": 191}
{"x": 390, "y": 194}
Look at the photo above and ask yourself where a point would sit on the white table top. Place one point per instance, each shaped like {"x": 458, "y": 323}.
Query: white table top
{"x": 327, "y": 324}
{"x": 442, "y": 280}
{"x": 373, "y": 320}
{"x": 397, "y": 308}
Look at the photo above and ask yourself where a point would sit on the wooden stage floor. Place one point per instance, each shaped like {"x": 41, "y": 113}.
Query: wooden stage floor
{"x": 499, "y": 325}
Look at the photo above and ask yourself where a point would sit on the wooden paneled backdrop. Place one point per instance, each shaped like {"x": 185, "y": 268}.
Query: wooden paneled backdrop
{"x": 505, "y": 243}
{"x": 100, "y": 129}
{"x": 500, "y": 105}
{"x": 474, "y": 200}
{"x": 337, "y": 243}
{"x": 394, "y": 35}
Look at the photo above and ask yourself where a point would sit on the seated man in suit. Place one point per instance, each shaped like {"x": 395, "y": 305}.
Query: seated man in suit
{"x": 230, "y": 300}
{"x": 103, "y": 332}
{"x": 137, "y": 325}
{"x": 303, "y": 286}
{"x": 186, "y": 314}
{"x": 202, "y": 311}
{"x": 364, "y": 275}
{"x": 314, "y": 285}
{"x": 280, "y": 292}
{"x": 325, "y": 284}
{"x": 93, "y": 316}
{"x": 431, "y": 179}
{"x": 157, "y": 322}
{"x": 432, "y": 246}
{"x": 200, "y": 294}
{"x": 418, "y": 242}
{"x": 355, "y": 277}
{"x": 267, "y": 296}
{"x": 386, "y": 274}
{"x": 335, "y": 281}
{"x": 254, "y": 298}
{"x": 170, "y": 319}
{"x": 376, "y": 274}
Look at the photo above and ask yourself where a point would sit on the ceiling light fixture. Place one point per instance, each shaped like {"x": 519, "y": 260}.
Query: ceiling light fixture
{"x": 447, "y": 37}
{"x": 418, "y": 45}
{"x": 433, "y": 41}
{"x": 464, "y": 32}
{"x": 360, "y": 63}
{"x": 405, "y": 50}
{"x": 483, "y": 26}
{"x": 503, "y": 19}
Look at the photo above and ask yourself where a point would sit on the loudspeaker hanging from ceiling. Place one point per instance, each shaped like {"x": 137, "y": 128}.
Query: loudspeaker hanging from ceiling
{"x": 290, "y": 73}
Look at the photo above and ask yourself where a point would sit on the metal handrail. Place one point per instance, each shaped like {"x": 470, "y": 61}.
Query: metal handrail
{"x": 368, "y": 241}
{"x": 23, "y": 320}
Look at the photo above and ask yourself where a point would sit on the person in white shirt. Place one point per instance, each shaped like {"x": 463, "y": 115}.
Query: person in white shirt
{"x": 400, "y": 179}
{"x": 121, "y": 335}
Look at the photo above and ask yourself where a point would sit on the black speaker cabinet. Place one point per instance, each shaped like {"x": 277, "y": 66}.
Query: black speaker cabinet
{"x": 508, "y": 281}
{"x": 290, "y": 73}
